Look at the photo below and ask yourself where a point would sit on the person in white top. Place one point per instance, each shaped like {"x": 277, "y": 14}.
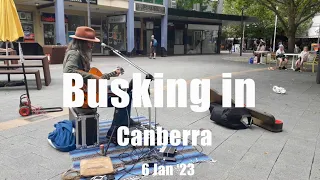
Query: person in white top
{"x": 261, "y": 47}
{"x": 303, "y": 57}
{"x": 281, "y": 57}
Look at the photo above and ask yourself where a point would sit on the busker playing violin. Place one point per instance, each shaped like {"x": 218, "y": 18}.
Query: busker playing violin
{"x": 77, "y": 60}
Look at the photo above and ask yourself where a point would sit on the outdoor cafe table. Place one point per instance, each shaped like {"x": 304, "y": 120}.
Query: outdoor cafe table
{"x": 10, "y": 52}
{"x": 293, "y": 60}
{"x": 43, "y": 59}
{"x": 262, "y": 52}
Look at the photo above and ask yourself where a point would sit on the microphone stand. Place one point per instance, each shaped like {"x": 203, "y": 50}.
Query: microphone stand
{"x": 148, "y": 75}
{"x": 122, "y": 56}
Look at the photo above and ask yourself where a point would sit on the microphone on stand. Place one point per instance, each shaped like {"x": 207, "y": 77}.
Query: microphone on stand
{"x": 104, "y": 45}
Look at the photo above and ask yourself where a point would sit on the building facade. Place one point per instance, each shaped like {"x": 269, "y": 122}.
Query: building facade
{"x": 126, "y": 25}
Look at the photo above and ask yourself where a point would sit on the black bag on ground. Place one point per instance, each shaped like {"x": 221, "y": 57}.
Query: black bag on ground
{"x": 234, "y": 118}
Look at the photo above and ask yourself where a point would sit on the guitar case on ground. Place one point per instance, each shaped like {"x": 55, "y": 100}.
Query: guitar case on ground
{"x": 234, "y": 118}
{"x": 262, "y": 119}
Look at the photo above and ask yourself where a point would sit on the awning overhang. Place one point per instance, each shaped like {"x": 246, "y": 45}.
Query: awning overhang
{"x": 207, "y": 18}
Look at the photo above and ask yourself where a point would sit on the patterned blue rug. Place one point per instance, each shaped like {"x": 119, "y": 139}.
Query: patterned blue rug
{"x": 124, "y": 158}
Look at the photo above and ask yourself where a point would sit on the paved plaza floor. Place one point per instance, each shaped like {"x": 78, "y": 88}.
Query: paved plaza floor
{"x": 251, "y": 154}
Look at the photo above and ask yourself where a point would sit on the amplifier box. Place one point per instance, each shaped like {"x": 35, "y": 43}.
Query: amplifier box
{"x": 86, "y": 123}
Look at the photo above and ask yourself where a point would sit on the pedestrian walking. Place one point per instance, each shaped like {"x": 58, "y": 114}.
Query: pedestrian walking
{"x": 153, "y": 47}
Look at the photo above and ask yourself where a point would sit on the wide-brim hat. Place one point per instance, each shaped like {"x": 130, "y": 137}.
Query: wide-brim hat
{"x": 85, "y": 33}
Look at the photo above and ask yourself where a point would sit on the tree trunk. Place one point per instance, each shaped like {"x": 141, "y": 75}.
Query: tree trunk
{"x": 291, "y": 31}
{"x": 291, "y": 34}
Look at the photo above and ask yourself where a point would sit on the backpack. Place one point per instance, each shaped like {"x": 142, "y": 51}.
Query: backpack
{"x": 251, "y": 60}
{"x": 155, "y": 42}
{"x": 233, "y": 118}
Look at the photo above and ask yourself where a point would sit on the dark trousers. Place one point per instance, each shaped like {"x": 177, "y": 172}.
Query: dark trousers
{"x": 258, "y": 58}
{"x": 121, "y": 115}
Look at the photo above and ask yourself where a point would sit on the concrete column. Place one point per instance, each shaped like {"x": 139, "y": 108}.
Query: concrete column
{"x": 164, "y": 30}
{"x": 130, "y": 28}
{"x": 38, "y": 28}
{"x": 219, "y": 40}
{"x": 141, "y": 34}
{"x": 60, "y": 24}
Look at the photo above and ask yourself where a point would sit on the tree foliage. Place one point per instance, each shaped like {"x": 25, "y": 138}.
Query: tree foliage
{"x": 188, "y": 4}
{"x": 292, "y": 15}
{"x": 263, "y": 28}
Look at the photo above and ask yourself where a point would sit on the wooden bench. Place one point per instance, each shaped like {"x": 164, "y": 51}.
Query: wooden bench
{"x": 44, "y": 62}
{"x": 19, "y": 66}
{"x": 27, "y": 71}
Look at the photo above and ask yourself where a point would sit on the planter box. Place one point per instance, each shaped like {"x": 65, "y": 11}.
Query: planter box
{"x": 56, "y": 52}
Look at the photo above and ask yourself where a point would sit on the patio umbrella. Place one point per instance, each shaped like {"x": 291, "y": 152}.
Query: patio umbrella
{"x": 11, "y": 29}
{"x": 10, "y": 26}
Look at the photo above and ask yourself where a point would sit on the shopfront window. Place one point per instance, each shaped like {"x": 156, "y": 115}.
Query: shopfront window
{"x": 178, "y": 37}
{"x": 49, "y": 33}
{"x": 117, "y": 32}
{"x": 117, "y": 36}
{"x": 209, "y": 43}
{"x": 194, "y": 42}
{"x": 73, "y": 23}
{"x": 26, "y": 19}
{"x": 202, "y": 39}
{"x": 49, "y": 28}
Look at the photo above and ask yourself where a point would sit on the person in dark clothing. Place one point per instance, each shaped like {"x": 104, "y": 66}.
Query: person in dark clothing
{"x": 229, "y": 47}
{"x": 153, "y": 46}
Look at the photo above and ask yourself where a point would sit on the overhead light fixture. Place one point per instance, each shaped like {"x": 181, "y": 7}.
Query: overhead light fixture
{"x": 37, "y": 4}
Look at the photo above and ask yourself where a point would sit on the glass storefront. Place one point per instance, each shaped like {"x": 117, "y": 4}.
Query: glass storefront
{"x": 194, "y": 42}
{"x": 73, "y": 23}
{"x": 117, "y": 32}
{"x": 209, "y": 43}
{"x": 192, "y": 38}
{"x": 179, "y": 47}
{"x": 202, "y": 39}
{"x": 26, "y": 19}
{"x": 97, "y": 46}
{"x": 96, "y": 25}
{"x": 49, "y": 28}
{"x": 49, "y": 33}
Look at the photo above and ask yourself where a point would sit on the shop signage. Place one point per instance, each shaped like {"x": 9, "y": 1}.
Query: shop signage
{"x": 84, "y": 1}
{"x": 117, "y": 19}
{"x": 173, "y": 4}
{"x": 48, "y": 17}
{"x": 149, "y": 8}
{"x": 81, "y": 1}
